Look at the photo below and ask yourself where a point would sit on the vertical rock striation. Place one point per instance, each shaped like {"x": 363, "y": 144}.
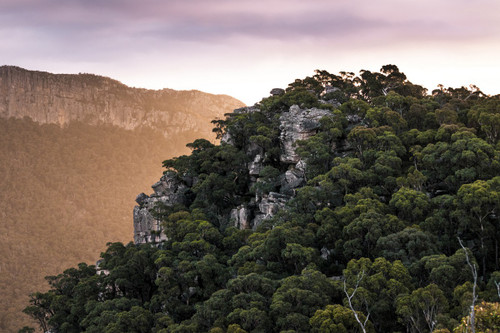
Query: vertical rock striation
{"x": 62, "y": 98}
{"x": 298, "y": 124}
{"x": 169, "y": 191}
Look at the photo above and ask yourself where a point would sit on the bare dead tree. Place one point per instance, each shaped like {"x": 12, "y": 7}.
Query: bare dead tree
{"x": 497, "y": 284}
{"x": 473, "y": 269}
{"x": 430, "y": 314}
{"x": 359, "y": 277}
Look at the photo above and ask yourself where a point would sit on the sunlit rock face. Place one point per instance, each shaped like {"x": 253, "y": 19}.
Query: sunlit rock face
{"x": 168, "y": 191}
{"x": 298, "y": 124}
{"x": 61, "y": 98}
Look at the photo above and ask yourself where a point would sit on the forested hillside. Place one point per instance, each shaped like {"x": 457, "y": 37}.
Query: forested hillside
{"x": 396, "y": 228}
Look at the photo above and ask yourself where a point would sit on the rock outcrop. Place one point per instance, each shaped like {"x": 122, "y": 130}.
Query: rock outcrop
{"x": 169, "y": 191}
{"x": 62, "y": 98}
{"x": 295, "y": 124}
{"x": 277, "y": 92}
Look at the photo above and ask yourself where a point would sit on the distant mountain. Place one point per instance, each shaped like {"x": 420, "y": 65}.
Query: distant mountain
{"x": 74, "y": 152}
{"x": 62, "y": 98}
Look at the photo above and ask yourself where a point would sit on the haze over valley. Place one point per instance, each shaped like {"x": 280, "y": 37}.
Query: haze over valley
{"x": 75, "y": 151}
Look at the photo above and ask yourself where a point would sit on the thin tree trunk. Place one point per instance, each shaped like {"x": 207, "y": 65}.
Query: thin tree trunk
{"x": 349, "y": 297}
{"x": 473, "y": 269}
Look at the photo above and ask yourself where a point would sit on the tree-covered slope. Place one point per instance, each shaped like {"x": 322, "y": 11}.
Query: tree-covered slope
{"x": 393, "y": 227}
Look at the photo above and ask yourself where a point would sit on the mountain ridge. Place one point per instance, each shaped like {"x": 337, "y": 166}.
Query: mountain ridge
{"x": 60, "y": 98}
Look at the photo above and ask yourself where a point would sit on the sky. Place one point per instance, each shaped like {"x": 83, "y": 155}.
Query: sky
{"x": 244, "y": 48}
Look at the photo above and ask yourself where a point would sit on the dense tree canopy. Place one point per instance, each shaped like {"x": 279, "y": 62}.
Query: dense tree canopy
{"x": 395, "y": 177}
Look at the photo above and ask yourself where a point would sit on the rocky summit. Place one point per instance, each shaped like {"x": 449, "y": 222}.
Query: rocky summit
{"x": 172, "y": 189}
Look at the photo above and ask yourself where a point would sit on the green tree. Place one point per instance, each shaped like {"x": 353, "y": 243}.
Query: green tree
{"x": 476, "y": 205}
{"x": 345, "y": 172}
{"x": 408, "y": 245}
{"x": 362, "y": 139}
{"x": 385, "y": 171}
{"x": 485, "y": 115}
{"x": 466, "y": 159}
{"x": 420, "y": 309}
{"x": 282, "y": 250}
{"x": 63, "y": 307}
{"x": 298, "y": 298}
{"x": 337, "y": 318}
{"x": 378, "y": 289}
{"x": 409, "y": 204}
{"x": 361, "y": 235}
{"x": 446, "y": 272}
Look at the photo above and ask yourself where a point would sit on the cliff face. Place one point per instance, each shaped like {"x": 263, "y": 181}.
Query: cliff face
{"x": 61, "y": 98}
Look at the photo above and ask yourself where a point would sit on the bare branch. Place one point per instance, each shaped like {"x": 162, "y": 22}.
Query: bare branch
{"x": 349, "y": 298}
{"x": 473, "y": 269}
{"x": 497, "y": 284}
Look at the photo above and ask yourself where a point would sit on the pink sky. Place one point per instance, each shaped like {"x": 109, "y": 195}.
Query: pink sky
{"x": 245, "y": 48}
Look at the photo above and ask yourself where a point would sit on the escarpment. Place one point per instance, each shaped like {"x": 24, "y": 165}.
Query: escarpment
{"x": 62, "y": 98}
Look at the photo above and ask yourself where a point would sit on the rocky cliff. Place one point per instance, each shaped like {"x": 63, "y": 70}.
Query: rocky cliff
{"x": 61, "y": 98}
{"x": 294, "y": 124}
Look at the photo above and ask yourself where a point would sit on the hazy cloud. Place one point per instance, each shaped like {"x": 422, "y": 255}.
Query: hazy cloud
{"x": 201, "y": 20}
{"x": 171, "y": 34}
